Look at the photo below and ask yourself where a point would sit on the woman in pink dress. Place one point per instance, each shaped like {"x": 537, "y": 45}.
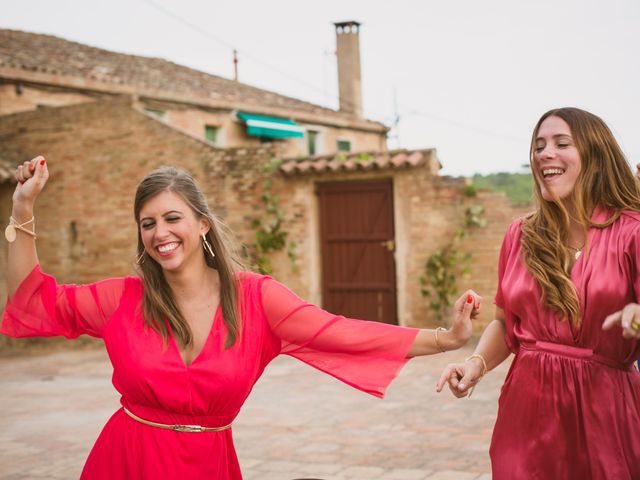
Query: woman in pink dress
{"x": 190, "y": 335}
{"x": 570, "y": 405}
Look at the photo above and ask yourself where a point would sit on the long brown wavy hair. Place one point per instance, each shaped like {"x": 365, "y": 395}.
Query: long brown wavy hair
{"x": 605, "y": 180}
{"x": 159, "y": 304}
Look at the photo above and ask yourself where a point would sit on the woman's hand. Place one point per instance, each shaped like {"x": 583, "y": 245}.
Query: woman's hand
{"x": 628, "y": 318}
{"x": 461, "y": 377}
{"x": 461, "y": 327}
{"x": 32, "y": 177}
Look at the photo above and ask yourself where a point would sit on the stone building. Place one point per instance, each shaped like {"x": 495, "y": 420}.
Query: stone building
{"x": 38, "y": 71}
{"x": 360, "y": 220}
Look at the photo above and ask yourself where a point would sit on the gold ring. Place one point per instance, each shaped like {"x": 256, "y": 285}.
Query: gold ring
{"x": 635, "y": 325}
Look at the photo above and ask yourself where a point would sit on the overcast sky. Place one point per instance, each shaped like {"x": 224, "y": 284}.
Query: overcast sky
{"x": 470, "y": 77}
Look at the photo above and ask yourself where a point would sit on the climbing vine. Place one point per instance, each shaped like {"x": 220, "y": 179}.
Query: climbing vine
{"x": 443, "y": 268}
{"x": 270, "y": 235}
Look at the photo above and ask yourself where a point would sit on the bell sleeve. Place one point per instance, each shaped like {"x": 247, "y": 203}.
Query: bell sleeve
{"x": 42, "y": 308}
{"x": 363, "y": 354}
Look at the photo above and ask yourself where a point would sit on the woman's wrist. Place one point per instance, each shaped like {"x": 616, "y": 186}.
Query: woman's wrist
{"x": 22, "y": 212}
{"x": 448, "y": 340}
{"x": 479, "y": 360}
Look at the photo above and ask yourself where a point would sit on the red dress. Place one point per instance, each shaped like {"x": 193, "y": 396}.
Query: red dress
{"x": 570, "y": 405}
{"x": 156, "y": 385}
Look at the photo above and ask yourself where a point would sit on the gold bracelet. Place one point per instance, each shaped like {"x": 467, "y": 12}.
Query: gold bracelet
{"x": 10, "y": 231}
{"x": 442, "y": 350}
{"x": 484, "y": 369}
{"x": 484, "y": 363}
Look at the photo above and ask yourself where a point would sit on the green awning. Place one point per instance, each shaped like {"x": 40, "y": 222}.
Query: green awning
{"x": 270, "y": 127}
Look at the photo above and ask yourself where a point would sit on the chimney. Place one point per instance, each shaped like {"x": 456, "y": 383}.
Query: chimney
{"x": 348, "y": 52}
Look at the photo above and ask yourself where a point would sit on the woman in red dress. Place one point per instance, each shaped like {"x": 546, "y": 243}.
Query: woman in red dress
{"x": 190, "y": 335}
{"x": 570, "y": 405}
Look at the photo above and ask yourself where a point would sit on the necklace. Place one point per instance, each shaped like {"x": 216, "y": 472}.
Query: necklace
{"x": 578, "y": 251}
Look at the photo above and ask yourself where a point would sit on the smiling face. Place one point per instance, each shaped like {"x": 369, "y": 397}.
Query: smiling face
{"x": 171, "y": 232}
{"x": 556, "y": 159}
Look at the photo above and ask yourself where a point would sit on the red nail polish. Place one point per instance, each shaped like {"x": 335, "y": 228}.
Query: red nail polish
{"x": 32, "y": 167}
{"x": 470, "y": 299}
{"x": 42, "y": 162}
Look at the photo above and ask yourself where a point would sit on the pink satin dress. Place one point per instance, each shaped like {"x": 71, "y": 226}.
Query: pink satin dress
{"x": 570, "y": 405}
{"x": 156, "y": 385}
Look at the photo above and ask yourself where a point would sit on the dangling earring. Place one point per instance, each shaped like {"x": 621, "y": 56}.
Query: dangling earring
{"x": 140, "y": 259}
{"x": 207, "y": 246}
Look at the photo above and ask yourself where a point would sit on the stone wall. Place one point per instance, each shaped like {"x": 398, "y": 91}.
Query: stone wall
{"x": 190, "y": 118}
{"x": 97, "y": 153}
{"x": 428, "y": 209}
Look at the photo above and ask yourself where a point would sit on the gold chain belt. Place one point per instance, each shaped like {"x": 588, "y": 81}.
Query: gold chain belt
{"x": 176, "y": 428}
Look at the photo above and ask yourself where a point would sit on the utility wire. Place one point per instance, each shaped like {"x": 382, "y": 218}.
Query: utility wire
{"x": 466, "y": 126}
{"x": 232, "y": 47}
{"x": 314, "y": 87}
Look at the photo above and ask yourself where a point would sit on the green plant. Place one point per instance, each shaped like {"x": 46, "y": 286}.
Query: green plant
{"x": 474, "y": 217}
{"x": 447, "y": 264}
{"x": 517, "y": 186}
{"x": 470, "y": 190}
{"x": 270, "y": 235}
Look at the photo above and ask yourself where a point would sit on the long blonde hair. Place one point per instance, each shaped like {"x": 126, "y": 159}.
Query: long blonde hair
{"x": 605, "y": 180}
{"x": 159, "y": 304}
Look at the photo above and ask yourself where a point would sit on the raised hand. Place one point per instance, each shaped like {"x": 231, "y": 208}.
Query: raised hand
{"x": 32, "y": 177}
{"x": 461, "y": 327}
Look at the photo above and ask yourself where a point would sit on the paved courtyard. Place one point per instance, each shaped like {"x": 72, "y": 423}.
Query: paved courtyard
{"x": 298, "y": 423}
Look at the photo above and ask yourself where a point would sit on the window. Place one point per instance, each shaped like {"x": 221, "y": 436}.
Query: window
{"x": 156, "y": 113}
{"x": 312, "y": 142}
{"x": 211, "y": 133}
{"x": 344, "y": 145}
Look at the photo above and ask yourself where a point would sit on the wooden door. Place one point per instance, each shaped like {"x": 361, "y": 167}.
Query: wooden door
{"x": 357, "y": 247}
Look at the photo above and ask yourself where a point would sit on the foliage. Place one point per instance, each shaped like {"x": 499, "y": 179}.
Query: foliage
{"x": 470, "y": 190}
{"x": 270, "y": 235}
{"x": 473, "y": 217}
{"x": 517, "y": 186}
{"x": 444, "y": 267}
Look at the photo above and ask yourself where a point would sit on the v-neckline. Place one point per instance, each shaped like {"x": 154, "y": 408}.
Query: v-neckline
{"x": 204, "y": 345}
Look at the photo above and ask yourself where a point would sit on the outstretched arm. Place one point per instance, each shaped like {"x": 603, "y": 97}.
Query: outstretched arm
{"x": 429, "y": 341}
{"x": 491, "y": 351}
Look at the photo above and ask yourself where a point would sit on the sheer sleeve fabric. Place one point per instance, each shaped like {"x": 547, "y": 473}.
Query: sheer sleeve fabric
{"x": 365, "y": 355}
{"x": 42, "y": 308}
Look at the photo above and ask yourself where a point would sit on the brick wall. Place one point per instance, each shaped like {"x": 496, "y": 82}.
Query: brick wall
{"x": 189, "y": 118}
{"x": 428, "y": 209}
{"x": 98, "y": 152}
{"x": 30, "y": 98}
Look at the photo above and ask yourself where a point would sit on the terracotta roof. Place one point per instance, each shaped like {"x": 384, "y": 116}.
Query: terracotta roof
{"x": 362, "y": 161}
{"x": 47, "y": 54}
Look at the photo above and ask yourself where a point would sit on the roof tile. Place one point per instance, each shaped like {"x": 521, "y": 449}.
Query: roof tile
{"x": 356, "y": 161}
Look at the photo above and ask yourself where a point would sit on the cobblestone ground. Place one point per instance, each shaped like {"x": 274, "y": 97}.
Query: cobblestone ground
{"x": 298, "y": 423}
